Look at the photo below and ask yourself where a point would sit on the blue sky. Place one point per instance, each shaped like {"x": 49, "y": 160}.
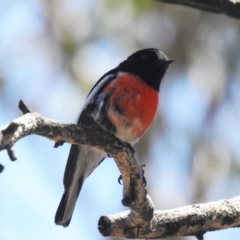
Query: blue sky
{"x": 32, "y": 69}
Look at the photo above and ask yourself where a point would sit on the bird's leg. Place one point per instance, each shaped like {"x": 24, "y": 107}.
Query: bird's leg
{"x": 143, "y": 177}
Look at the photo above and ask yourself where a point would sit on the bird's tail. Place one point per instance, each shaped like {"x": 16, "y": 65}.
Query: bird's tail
{"x": 81, "y": 162}
{"x": 66, "y": 207}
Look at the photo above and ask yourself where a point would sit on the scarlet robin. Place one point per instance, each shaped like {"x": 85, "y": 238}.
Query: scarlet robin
{"x": 124, "y": 102}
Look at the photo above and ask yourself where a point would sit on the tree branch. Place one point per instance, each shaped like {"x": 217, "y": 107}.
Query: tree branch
{"x": 141, "y": 221}
{"x": 88, "y": 134}
{"x": 134, "y": 194}
{"x": 227, "y": 7}
{"x": 194, "y": 220}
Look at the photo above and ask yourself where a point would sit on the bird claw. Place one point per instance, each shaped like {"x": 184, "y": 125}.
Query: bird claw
{"x": 119, "y": 179}
{"x": 143, "y": 178}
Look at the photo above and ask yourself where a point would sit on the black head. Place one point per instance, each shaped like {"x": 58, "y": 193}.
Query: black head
{"x": 149, "y": 64}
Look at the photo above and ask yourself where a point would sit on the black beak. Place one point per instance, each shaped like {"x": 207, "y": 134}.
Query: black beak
{"x": 166, "y": 63}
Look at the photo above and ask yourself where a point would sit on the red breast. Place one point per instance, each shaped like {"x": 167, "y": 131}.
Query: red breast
{"x": 132, "y": 107}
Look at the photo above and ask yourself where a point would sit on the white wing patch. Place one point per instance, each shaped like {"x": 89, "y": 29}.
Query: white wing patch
{"x": 92, "y": 96}
{"x": 98, "y": 100}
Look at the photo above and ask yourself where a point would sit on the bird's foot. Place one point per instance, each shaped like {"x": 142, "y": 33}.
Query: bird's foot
{"x": 143, "y": 177}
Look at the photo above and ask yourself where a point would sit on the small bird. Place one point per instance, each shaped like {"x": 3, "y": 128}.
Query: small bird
{"x": 124, "y": 102}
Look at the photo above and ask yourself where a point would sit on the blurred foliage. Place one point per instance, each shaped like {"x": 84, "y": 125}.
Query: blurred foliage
{"x": 63, "y": 47}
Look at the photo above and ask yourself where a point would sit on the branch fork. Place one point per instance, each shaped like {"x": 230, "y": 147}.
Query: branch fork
{"x": 141, "y": 221}
{"x": 134, "y": 194}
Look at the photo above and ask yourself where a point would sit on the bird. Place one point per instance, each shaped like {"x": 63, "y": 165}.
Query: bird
{"x": 124, "y": 102}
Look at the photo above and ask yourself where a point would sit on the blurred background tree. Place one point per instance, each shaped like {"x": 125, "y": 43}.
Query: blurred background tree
{"x": 51, "y": 54}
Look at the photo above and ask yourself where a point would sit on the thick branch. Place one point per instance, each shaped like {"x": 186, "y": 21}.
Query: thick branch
{"x": 141, "y": 221}
{"x": 192, "y": 220}
{"x": 227, "y": 7}
{"x": 134, "y": 194}
{"x": 88, "y": 134}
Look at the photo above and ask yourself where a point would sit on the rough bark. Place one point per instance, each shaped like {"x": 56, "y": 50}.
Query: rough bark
{"x": 141, "y": 221}
{"x": 89, "y": 134}
{"x": 194, "y": 220}
{"x": 227, "y": 7}
{"x": 134, "y": 194}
